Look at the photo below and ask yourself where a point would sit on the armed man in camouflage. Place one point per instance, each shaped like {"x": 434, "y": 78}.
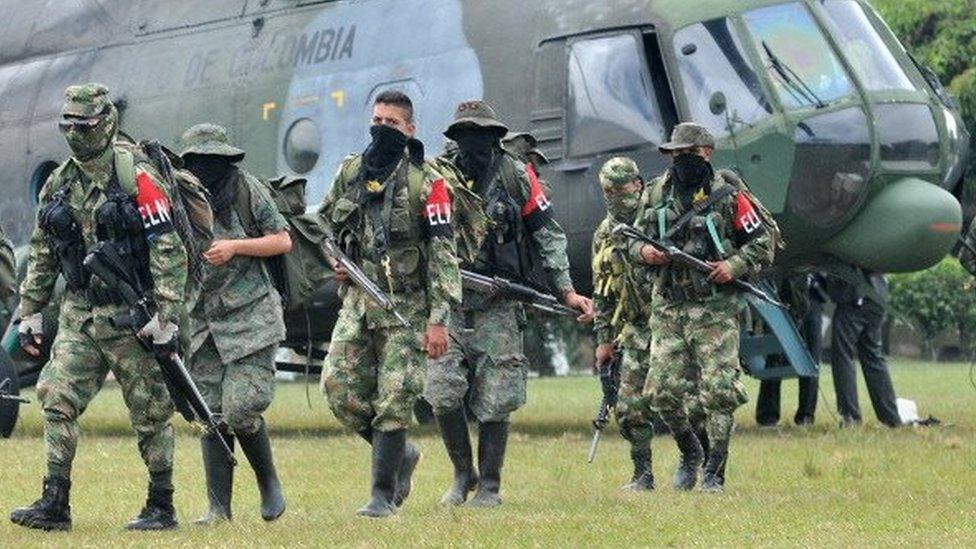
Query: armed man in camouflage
{"x": 486, "y": 356}
{"x": 392, "y": 215}
{"x": 695, "y": 323}
{"x": 621, "y": 294}
{"x": 236, "y": 322}
{"x": 75, "y": 207}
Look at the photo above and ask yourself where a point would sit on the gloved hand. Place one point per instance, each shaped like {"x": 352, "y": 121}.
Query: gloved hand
{"x": 31, "y": 332}
{"x": 162, "y": 332}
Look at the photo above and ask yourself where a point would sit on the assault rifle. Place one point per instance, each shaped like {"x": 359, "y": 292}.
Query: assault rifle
{"x": 359, "y": 278}
{"x": 5, "y": 394}
{"x": 680, "y": 256}
{"x": 496, "y": 285}
{"x": 610, "y": 383}
{"x": 105, "y": 262}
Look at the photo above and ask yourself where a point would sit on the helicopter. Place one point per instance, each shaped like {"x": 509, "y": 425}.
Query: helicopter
{"x": 856, "y": 149}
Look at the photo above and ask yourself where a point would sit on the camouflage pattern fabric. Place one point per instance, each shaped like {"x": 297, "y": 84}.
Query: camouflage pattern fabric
{"x": 489, "y": 362}
{"x": 633, "y": 411}
{"x": 967, "y": 254}
{"x": 241, "y": 389}
{"x": 239, "y": 307}
{"x": 8, "y": 267}
{"x": 695, "y": 351}
{"x": 374, "y": 369}
{"x": 87, "y": 347}
{"x": 373, "y": 376}
{"x": 237, "y": 323}
{"x": 83, "y": 353}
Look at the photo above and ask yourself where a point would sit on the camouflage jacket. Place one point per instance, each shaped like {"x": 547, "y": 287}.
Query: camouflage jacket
{"x": 167, "y": 255}
{"x": 523, "y": 185}
{"x": 729, "y": 230}
{"x": 967, "y": 255}
{"x": 413, "y": 207}
{"x": 238, "y": 305}
{"x": 621, "y": 292}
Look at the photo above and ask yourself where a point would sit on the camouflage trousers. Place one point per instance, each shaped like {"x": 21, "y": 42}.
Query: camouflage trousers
{"x": 633, "y": 411}
{"x": 241, "y": 390}
{"x": 372, "y": 377}
{"x": 695, "y": 357}
{"x": 484, "y": 357}
{"x": 81, "y": 358}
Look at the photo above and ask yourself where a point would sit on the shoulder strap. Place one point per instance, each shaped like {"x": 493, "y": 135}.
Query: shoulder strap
{"x": 125, "y": 169}
{"x": 243, "y": 205}
{"x": 697, "y": 209}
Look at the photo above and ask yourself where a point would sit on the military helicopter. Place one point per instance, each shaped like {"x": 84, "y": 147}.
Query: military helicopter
{"x": 856, "y": 149}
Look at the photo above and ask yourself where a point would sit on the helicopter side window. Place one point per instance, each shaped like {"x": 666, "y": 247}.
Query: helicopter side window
{"x": 611, "y": 103}
{"x": 720, "y": 85}
{"x": 867, "y": 53}
{"x": 802, "y": 67}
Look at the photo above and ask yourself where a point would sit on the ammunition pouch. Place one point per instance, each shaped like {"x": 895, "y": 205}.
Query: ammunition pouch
{"x": 65, "y": 239}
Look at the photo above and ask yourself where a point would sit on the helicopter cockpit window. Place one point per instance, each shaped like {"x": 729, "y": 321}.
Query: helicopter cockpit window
{"x": 867, "y": 53}
{"x": 802, "y": 67}
{"x": 611, "y": 103}
{"x": 721, "y": 86}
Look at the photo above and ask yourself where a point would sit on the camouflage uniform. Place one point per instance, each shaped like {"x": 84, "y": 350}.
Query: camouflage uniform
{"x": 87, "y": 345}
{"x": 236, "y": 324}
{"x": 8, "y": 267}
{"x": 695, "y": 325}
{"x": 967, "y": 254}
{"x": 621, "y": 291}
{"x": 485, "y": 359}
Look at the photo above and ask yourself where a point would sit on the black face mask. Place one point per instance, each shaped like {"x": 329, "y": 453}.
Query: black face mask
{"x": 384, "y": 152}
{"x": 215, "y": 172}
{"x": 691, "y": 173}
{"x": 476, "y": 149}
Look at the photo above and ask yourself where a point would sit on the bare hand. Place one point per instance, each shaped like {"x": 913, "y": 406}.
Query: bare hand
{"x": 435, "y": 340}
{"x": 340, "y": 274}
{"x": 654, "y": 256}
{"x": 582, "y": 304}
{"x": 721, "y": 272}
{"x": 220, "y": 252}
{"x": 604, "y": 353}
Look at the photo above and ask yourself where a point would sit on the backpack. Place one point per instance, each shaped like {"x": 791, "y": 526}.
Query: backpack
{"x": 301, "y": 272}
{"x": 192, "y": 216}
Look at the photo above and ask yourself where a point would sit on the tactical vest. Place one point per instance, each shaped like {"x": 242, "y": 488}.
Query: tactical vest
{"x": 383, "y": 231}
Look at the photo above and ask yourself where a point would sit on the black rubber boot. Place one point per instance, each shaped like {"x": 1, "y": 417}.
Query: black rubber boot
{"x": 643, "y": 479}
{"x": 257, "y": 449}
{"x": 713, "y": 478}
{"x": 454, "y": 432}
{"x": 706, "y": 448}
{"x": 51, "y": 512}
{"x": 220, "y": 478}
{"x": 388, "y": 451}
{"x": 492, "y": 439}
{"x": 411, "y": 457}
{"x": 158, "y": 514}
{"x": 686, "y": 476}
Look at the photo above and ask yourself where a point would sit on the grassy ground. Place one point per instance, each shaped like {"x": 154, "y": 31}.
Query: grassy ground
{"x": 814, "y": 486}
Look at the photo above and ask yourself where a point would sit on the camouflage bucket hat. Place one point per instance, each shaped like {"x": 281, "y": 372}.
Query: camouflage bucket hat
{"x": 86, "y": 101}
{"x": 475, "y": 113}
{"x": 618, "y": 171}
{"x": 522, "y": 144}
{"x": 688, "y": 135}
{"x": 209, "y": 139}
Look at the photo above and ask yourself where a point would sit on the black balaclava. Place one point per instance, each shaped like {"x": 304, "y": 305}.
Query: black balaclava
{"x": 693, "y": 176}
{"x": 383, "y": 153}
{"x": 216, "y": 173}
{"x": 476, "y": 149}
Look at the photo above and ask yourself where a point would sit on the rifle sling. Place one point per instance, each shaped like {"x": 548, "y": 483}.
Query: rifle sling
{"x": 697, "y": 209}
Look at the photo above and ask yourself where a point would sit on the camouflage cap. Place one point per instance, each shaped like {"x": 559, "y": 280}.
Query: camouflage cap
{"x": 688, "y": 135}
{"x": 86, "y": 100}
{"x": 208, "y": 139}
{"x": 619, "y": 170}
{"x": 475, "y": 113}
{"x": 523, "y": 144}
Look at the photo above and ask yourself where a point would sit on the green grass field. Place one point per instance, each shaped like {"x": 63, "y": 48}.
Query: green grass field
{"x": 813, "y": 486}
